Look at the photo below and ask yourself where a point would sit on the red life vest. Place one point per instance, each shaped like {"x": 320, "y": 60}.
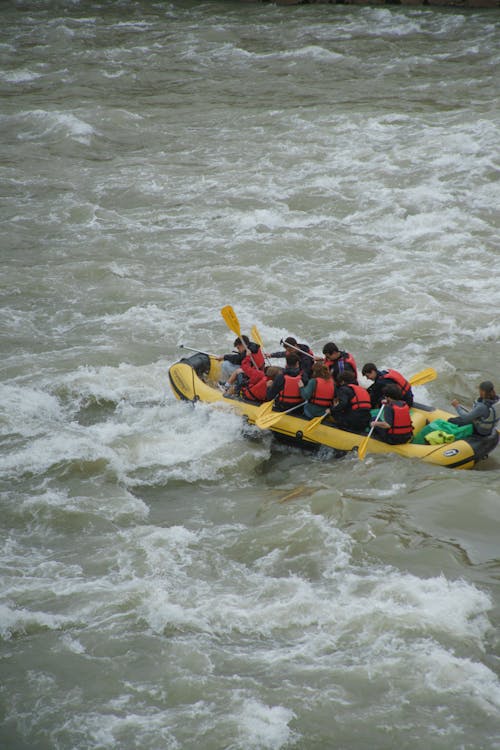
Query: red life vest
{"x": 361, "y": 397}
{"x": 399, "y": 379}
{"x": 290, "y": 393}
{"x": 258, "y": 358}
{"x": 349, "y": 359}
{"x": 328, "y": 363}
{"x": 402, "y": 420}
{"x": 337, "y": 365}
{"x": 324, "y": 392}
{"x": 256, "y": 391}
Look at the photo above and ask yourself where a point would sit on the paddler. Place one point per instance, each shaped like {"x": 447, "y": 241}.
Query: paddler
{"x": 485, "y": 413}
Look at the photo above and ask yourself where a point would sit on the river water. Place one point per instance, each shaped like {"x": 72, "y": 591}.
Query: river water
{"x": 170, "y": 580}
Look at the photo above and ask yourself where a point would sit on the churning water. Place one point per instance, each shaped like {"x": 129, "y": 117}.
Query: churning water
{"x": 168, "y": 580}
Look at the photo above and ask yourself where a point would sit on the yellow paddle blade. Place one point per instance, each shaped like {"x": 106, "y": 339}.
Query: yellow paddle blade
{"x": 268, "y": 420}
{"x": 231, "y": 319}
{"x": 424, "y": 376}
{"x": 362, "y": 448}
{"x": 257, "y": 337}
{"x": 264, "y": 409}
{"x": 313, "y": 423}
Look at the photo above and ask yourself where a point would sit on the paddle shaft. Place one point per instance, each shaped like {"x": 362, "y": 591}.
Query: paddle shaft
{"x": 363, "y": 446}
{"x": 190, "y": 348}
{"x": 291, "y": 346}
{"x": 314, "y": 423}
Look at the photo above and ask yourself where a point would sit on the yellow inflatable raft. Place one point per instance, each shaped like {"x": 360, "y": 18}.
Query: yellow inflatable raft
{"x": 195, "y": 379}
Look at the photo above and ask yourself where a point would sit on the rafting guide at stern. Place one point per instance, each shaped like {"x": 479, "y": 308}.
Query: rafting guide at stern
{"x": 485, "y": 413}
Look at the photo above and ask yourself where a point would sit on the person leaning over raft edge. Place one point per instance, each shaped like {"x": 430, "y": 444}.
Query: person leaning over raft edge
{"x": 485, "y": 413}
{"x": 381, "y": 378}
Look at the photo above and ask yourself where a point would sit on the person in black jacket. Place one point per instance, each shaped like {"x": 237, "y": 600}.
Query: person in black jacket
{"x": 303, "y": 352}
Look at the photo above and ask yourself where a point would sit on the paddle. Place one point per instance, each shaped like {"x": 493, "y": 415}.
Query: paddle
{"x": 232, "y": 322}
{"x": 362, "y": 448}
{"x": 231, "y": 319}
{"x": 268, "y": 420}
{"x": 181, "y": 346}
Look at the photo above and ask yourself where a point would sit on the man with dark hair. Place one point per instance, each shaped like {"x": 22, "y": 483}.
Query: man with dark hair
{"x": 232, "y": 362}
{"x": 381, "y": 378}
{"x": 339, "y": 361}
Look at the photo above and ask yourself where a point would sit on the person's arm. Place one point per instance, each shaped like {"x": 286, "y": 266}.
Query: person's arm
{"x": 468, "y": 417}
{"x": 276, "y": 355}
{"x": 388, "y": 420}
{"x": 307, "y": 390}
{"x": 235, "y": 358}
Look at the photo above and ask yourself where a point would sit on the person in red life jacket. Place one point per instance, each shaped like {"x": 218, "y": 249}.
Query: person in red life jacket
{"x": 381, "y": 378}
{"x": 395, "y": 427}
{"x": 303, "y": 351}
{"x": 285, "y": 389}
{"x": 339, "y": 362}
{"x": 351, "y": 407}
{"x": 253, "y": 387}
{"x": 231, "y": 362}
{"x": 256, "y": 387}
{"x": 318, "y": 391}
{"x": 254, "y": 353}
{"x": 251, "y": 383}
